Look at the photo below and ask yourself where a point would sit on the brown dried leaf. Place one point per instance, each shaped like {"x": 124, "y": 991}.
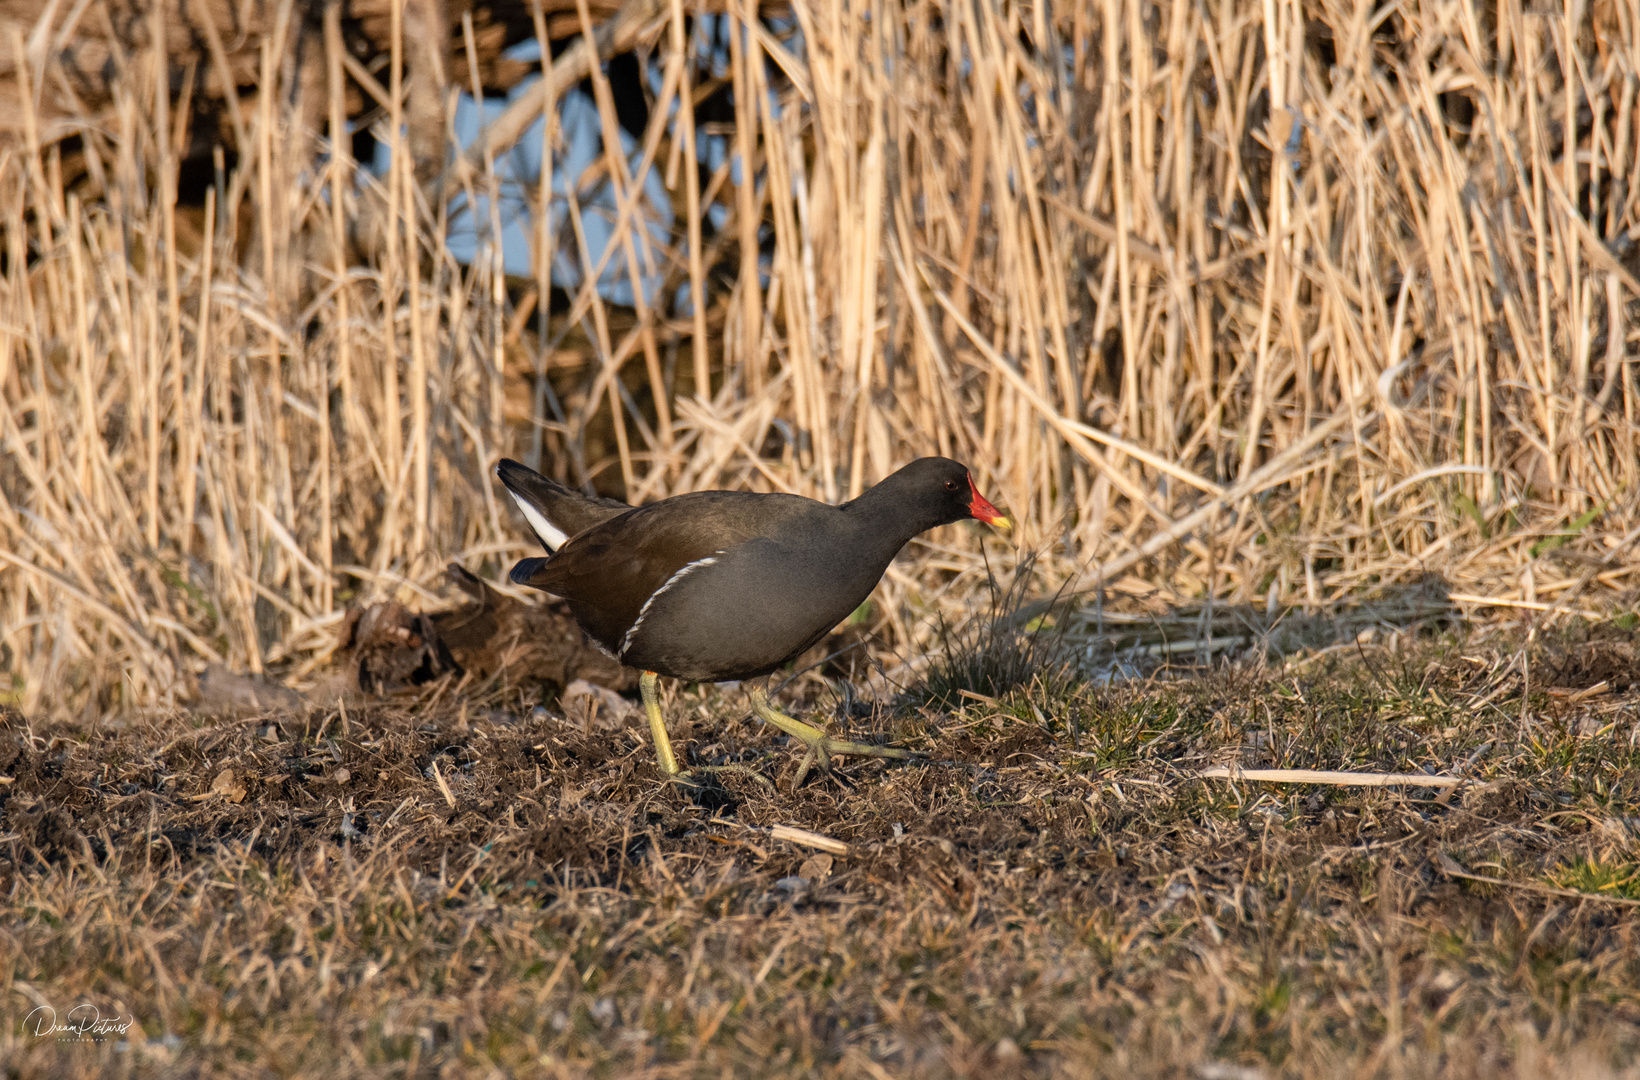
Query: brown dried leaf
{"x": 228, "y": 785}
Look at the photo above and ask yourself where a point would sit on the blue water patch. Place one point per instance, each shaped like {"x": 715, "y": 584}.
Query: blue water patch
{"x": 475, "y": 227}
{"x": 471, "y": 229}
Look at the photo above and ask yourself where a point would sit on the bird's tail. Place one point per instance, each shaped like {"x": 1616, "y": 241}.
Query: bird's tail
{"x": 525, "y": 570}
{"x": 554, "y": 512}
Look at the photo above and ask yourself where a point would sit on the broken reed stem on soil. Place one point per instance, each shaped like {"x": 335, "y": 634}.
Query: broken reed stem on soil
{"x": 1260, "y": 331}
{"x": 1328, "y": 776}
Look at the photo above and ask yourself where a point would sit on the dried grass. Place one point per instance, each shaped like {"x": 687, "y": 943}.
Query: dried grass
{"x": 1252, "y": 331}
{"x": 383, "y": 892}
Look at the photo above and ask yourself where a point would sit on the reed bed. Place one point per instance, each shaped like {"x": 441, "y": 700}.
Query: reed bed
{"x": 1273, "y": 303}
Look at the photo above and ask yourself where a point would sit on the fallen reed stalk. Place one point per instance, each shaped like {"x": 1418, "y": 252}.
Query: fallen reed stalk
{"x": 1329, "y": 776}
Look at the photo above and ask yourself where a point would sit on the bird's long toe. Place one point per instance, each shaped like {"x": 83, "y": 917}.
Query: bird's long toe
{"x": 693, "y": 779}
{"x": 854, "y": 749}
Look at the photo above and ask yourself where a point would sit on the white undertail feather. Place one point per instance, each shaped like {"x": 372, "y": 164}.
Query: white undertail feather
{"x": 550, "y": 534}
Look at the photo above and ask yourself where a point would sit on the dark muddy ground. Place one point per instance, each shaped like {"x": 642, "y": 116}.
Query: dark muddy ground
{"x": 466, "y": 886}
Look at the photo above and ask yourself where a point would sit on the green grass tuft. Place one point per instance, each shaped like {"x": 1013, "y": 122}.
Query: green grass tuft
{"x": 1599, "y": 876}
{"x": 998, "y": 650}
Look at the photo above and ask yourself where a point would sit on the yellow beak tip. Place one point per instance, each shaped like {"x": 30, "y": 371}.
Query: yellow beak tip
{"x": 1002, "y": 523}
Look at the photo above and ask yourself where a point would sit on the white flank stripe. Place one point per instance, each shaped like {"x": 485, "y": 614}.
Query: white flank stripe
{"x": 550, "y": 535}
{"x": 632, "y": 631}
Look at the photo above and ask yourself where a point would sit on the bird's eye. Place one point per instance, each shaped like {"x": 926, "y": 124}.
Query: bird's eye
{"x": 950, "y": 485}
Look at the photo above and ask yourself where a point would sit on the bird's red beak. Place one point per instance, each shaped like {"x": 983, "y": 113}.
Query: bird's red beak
{"x": 982, "y": 509}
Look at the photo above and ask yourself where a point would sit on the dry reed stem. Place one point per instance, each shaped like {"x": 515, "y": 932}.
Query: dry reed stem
{"x": 1329, "y": 776}
{"x": 1124, "y": 289}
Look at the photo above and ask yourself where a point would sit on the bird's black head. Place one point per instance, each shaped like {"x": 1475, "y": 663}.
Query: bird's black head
{"x": 934, "y": 491}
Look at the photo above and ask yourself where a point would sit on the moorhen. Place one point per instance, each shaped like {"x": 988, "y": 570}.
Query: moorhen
{"x": 714, "y": 586}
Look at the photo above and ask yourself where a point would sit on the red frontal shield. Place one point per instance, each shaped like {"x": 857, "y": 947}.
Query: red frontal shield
{"x": 982, "y": 509}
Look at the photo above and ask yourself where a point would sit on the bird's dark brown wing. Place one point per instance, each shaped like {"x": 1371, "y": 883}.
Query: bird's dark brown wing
{"x": 609, "y": 571}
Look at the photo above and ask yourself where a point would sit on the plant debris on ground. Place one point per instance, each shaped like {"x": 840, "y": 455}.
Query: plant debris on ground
{"x": 415, "y": 891}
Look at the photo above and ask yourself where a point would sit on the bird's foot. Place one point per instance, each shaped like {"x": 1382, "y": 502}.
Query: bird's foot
{"x": 820, "y": 748}
{"x": 692, "y": 778}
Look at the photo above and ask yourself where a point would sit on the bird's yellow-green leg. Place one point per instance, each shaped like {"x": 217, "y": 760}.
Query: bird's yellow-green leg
{"x": 649, "y": 690}
{"x": 820, "y": 745}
